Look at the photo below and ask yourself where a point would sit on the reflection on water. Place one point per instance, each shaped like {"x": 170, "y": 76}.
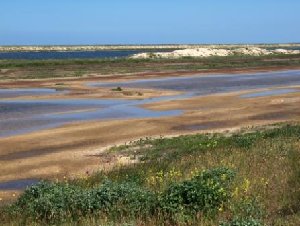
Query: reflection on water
{"x": 212, "y": 84}
{"x": 22, "y": 116}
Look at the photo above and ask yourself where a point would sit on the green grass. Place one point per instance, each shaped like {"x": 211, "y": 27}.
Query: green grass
{"x": 248, "y": 178}
{"x": 41, "y": 69}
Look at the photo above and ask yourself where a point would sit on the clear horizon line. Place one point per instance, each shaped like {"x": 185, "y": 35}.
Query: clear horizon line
{"x": 154, "y": 44}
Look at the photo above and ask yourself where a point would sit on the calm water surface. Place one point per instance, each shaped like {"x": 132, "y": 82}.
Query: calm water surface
{"x": 9, "y": 93}
{"x": 72, "y": 54}
{"x": 212, "y": 84}
{"x": 17, "y": 184}
{"x": 23, "y": 116}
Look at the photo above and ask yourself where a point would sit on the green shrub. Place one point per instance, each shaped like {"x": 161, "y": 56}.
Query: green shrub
{"x": 204, "y": 193}
{"x": 246, "y": 140}
{"x": 55, "y": 202}
{"x": 124, "y": 198}
{"x": 118, "y": 89}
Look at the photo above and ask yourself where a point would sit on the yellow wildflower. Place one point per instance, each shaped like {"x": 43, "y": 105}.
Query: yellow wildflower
{"x": 236, "y": 192}
{"x": 246, "y": 185}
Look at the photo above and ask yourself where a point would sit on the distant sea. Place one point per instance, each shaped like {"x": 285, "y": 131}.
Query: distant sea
{"x": 72, "y": 54}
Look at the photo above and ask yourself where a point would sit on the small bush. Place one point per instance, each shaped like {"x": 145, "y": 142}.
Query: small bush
{"x": 246, "y": 140}
{"x": 53, "y": 201}
{"x": 57, "y": 202}
{"x": 204, "y": 193}
{"x": 118, "y": 89}
{"x": 124, "y": 198}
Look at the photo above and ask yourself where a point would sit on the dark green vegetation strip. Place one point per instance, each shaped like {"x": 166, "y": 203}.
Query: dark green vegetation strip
{"x": 249, "y": 178}
{"x": 39, "y": 69}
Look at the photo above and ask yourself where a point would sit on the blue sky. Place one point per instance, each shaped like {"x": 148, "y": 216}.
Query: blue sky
{"x": 148, "y": 21}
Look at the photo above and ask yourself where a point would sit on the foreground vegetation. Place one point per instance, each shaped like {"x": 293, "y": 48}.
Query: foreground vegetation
{"x": 249, "y": 178}
{"x": 41, "y": 69}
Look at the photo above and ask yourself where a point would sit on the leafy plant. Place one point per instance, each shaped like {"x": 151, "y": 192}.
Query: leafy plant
{"x": 56, "y": 202}
{"x": 205, "y": 192}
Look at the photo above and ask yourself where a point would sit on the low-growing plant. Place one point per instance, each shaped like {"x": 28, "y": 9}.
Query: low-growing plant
{"x": 206, "y": 192}
{"x": 293, "y": 195}
{"x": 56, "y": 202}
{"x": 51, "y": 202}
{"x": 118, "y": 89}
{"x": 247, "y": 207}
{"x": 242, "y": 222}
{"x": 124, "y": 199}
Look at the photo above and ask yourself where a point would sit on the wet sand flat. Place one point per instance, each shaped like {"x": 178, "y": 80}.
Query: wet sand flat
{"x": 23, "y": 116}
{"x": 72, "y": 148}
{"x": 212, "y": 84}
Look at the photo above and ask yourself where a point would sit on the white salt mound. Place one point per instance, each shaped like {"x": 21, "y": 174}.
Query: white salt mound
{"x": 206, "y": 52}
